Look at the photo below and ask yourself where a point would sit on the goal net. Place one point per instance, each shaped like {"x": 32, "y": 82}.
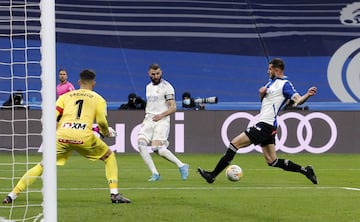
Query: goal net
{"x": 27, "y": 107}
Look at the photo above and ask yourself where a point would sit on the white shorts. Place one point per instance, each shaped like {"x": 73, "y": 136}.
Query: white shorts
{"x": 151, "y": 130}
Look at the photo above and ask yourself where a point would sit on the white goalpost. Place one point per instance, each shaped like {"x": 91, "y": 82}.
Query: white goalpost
{"x": 48, "y": 64}
{"x": 27, "y": 108}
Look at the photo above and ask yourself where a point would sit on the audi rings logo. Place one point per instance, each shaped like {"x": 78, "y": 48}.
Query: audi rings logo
{"x": 303, "y": 139}
{"x": 344, "y": 65}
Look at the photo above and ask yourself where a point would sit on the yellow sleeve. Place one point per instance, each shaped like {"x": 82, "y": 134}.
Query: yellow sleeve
{"x": 59, "y": 108}
{"x": 101, "y": 113}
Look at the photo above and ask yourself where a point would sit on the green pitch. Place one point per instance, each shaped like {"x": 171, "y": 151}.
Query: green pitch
{"x": 263, "y": 194}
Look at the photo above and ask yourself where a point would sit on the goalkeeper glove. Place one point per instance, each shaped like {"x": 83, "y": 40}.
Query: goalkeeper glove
{"x": 112, "y": 132}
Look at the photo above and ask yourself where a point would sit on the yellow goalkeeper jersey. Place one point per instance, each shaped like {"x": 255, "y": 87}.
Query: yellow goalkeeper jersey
{"x": 77, "y": 110}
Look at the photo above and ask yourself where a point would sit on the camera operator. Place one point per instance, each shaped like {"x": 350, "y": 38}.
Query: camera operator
{"x": 189, "y": 103}
{"x": 134, "y": 103}
{"x": 15, "y": 101}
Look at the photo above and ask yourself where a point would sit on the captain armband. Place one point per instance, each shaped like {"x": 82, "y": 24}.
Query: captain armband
{"x": 170, "y": 97}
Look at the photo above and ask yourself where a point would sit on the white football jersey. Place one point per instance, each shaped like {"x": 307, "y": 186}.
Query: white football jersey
{"x": 277, "y": 93}
{"x": 156, "y": 96}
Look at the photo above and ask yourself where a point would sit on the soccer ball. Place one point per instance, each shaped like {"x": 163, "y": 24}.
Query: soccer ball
{"x": 234, "y": 173}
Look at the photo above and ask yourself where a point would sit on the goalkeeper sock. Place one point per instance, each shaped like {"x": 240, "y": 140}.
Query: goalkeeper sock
{"x": 111, "y": 172}
{"x": 225, "y": 160}
{"x": 287, "y": 165}
{"x": 28, "y": 178}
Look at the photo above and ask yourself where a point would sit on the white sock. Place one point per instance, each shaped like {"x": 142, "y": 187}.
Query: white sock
{"x": 114, "y": 190}
{"x": 167, "y": 154}
{"x": 12, "y": 195}
{"x": 147, "y": 157}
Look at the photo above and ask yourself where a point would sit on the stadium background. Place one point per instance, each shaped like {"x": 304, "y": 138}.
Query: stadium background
{"x": 209, "y": 48}
{"x": 205, "y": 47}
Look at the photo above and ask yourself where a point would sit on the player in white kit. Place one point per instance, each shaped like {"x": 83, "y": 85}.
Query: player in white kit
{"x": 276, "y": 92}
{"x": 155, "y": 128}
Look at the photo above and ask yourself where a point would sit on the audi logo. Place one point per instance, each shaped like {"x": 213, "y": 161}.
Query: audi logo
{"x": 303, "y": 139}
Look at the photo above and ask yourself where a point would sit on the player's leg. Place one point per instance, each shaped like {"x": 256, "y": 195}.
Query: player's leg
{"x": 145, "y": 133}
{"x": 111, "y": 173}
{"x": 94, "y": 149}
{"x": 242, "y": 140}
{"x": 111, "y": 170}
{"x": 272, "y": 160}
{"x": 145, "y": 155}
{"x": 160, "y": 145}
{"x": 26, "y": 180}
{"x": 31, "y": 175}
{"x": 238, "y": 142}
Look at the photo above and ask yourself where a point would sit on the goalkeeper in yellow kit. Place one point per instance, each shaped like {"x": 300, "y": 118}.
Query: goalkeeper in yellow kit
{"x": 76, "y": 111}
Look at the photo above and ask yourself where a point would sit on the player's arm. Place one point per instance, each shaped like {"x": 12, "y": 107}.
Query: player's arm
{"x": 59, "y": 108}
{"x": 170, "y": 102}
{"x": 262, "y": 92}
{"x": 101, "y": 113}
{"x": 298, "y": 100}
{"x": 171, "y": 106}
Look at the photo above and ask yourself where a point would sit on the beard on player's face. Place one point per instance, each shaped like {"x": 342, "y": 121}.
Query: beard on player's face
{"x": 155, "y": 80}
{"x": 272, "y": 75}
{"x": 62, "y": 78}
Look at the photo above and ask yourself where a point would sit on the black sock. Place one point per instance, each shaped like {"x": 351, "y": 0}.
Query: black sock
{"x": 225, "y": 160}
{"x": 287, "y": 165}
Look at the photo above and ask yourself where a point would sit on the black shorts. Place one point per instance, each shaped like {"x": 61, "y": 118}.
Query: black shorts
{"x": 262, "y": 133}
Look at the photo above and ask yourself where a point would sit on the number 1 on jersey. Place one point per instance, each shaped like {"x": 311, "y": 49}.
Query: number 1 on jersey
{"x": 80, "y": 103}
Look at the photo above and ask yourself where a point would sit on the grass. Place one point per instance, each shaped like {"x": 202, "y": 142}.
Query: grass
{"x": 263, "y": 194}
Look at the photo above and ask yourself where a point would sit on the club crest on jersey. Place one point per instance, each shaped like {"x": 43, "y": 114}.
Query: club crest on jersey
{"x": 68, "y": 125}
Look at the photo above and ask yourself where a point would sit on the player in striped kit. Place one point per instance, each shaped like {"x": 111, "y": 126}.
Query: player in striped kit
{"x": 160, "y": 96}
{"x": 273, "y": 95}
